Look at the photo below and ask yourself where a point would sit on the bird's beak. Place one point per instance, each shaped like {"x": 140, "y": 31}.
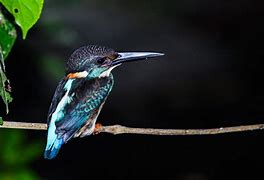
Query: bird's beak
{"x": 134, "y": 56}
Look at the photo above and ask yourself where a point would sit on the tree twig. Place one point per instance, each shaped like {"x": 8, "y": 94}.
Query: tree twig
{"x": 23, "y": 125}
{"x": 118, "y": 129}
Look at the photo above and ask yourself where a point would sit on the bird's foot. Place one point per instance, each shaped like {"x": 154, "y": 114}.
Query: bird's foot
{"x": 97, "y": 128}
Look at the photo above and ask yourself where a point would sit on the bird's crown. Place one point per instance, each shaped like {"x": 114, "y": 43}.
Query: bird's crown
{"x": 84, "y": 55}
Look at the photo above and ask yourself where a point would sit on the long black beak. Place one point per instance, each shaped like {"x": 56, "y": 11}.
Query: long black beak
{"x": 134, "y": 56}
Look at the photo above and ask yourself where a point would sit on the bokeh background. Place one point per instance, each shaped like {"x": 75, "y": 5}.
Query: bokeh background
{"x": 211, "y": 76}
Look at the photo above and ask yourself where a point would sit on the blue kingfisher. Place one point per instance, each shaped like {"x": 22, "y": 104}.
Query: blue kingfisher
{"x": 81, "y": 94}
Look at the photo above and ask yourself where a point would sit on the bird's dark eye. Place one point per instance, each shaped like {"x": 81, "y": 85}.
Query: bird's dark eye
{"x": 101, "y": 60}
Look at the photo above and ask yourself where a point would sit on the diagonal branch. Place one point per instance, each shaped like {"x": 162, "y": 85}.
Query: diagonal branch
{"x": 118, "y": 129}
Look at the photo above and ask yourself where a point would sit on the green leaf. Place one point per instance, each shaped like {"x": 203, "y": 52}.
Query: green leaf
{"x": 3, "y": 82}
{"x": 1, "y": 121}
{"x": 8, "y": 35}
{"x": 26, "y": 12}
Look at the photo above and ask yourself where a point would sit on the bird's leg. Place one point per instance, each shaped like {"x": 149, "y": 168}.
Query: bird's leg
{"x": 97, "y": 128}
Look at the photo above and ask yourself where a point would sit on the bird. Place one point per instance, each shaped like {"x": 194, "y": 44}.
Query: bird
{"x": 82, "y": 92}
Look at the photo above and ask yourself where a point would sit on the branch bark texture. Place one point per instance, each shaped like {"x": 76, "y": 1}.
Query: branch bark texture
{"x": 118, "y": 129}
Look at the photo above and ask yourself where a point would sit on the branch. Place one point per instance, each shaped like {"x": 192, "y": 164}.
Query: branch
{"x": 118, "y": 129}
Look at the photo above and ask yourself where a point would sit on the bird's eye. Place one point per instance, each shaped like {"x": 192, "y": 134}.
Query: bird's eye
{"x": 101, "y": 60}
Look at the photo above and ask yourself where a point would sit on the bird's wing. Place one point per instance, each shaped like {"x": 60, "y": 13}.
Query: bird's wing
{"x": 59, "y": 93}
{"x": 57, "y": 97}
{"x": 83, "y": 101}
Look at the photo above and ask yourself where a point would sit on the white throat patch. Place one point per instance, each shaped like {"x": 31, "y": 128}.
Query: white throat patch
{"x": 108, "y": 71}
{"x": 82, "y": 74}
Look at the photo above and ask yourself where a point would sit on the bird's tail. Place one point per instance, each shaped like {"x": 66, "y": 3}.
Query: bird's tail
{"x": 53, "y": 148}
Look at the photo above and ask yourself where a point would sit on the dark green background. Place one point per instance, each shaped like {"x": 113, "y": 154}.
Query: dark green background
{"x": 211, "y": 76}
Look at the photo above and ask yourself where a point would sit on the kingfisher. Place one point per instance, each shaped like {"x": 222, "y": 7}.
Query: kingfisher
{"x": 82, "y": 92}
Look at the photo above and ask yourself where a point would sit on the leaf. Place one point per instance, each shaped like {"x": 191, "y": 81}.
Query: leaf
{"x": 26, "y": 12}
{"x": 1, "y": 121}
{"x": 8, "y": 35}
{"x": 3, "y": 82}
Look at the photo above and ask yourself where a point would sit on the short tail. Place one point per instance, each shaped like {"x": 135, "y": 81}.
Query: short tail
{"x": 53, "y": 148}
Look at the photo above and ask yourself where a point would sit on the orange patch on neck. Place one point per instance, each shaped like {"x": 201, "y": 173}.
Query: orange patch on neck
{"x": 72, "y": 76}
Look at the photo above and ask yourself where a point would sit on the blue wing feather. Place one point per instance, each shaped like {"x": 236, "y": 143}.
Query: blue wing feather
{"x": 59, "y": 93}
{"x": 79, "y": 100}
{"x": 84, "y": 100}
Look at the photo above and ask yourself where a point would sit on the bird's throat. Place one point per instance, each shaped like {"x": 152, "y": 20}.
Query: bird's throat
{"x": 107, "y": 72}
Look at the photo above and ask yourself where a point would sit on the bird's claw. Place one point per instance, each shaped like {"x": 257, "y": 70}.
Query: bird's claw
{"x": 97, "y": 128}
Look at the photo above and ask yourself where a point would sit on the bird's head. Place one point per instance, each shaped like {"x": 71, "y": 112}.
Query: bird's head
{"x": 97, "y": 61}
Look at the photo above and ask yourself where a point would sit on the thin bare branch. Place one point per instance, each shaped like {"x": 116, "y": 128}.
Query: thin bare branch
{"x": 23, "y": 125}
{"x": 118, "y": 129}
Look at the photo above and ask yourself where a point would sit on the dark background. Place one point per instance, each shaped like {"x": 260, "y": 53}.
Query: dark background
{"x": 211, "y": 76}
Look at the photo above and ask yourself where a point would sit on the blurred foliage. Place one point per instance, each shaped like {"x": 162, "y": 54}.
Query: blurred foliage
{"x": 3, "y": 82}
{"x": 51, "y": 66}
{"x": 26, "y": 12}
{"x": 8, "y": 37}
{"x": 7, "y": 33}
{"x": 16, "y": 152}
{"x": 16, "y": 157}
